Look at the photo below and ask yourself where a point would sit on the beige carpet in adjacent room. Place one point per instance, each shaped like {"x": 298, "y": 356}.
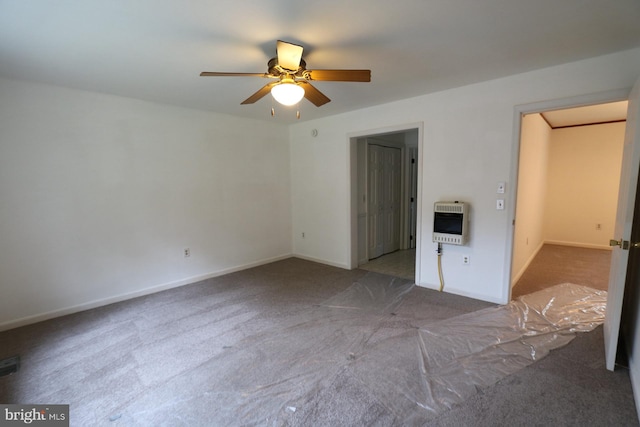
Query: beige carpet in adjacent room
{"x": 555, "y": 264}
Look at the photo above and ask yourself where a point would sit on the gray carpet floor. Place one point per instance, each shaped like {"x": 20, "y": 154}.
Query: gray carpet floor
{"x": 287, "y": 344}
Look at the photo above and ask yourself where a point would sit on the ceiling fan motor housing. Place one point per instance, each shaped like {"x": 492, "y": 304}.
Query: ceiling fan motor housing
{"x": 274, "y": 68}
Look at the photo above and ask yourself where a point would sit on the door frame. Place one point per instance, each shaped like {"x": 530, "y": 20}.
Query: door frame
{"x": 353, "y": 187}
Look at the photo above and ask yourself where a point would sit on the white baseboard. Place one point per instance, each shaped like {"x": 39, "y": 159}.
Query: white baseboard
{"x": 322, "y": 261}
{"x": 578, "y": 245}
{"x": 456, "y": 291}
{"x": 11, "y": 324}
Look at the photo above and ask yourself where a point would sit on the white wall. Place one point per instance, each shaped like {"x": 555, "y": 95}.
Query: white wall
{"x": 468, "y": 147}
{"x": 101, "y": 194}
{"x": 531, "y": 195}
{"x": 582, "y": 184}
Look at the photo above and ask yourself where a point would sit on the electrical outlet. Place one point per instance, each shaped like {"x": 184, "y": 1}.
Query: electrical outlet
{"x": 500, "y": 204}
{"x": 187, "y": 252}
{"x": 501, "y": 187}
{"x": 466, "y": 259}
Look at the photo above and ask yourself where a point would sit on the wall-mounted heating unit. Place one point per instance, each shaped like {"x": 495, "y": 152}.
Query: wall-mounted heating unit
{"x": 450, "y": 222}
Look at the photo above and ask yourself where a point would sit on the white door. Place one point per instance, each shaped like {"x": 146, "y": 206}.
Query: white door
{"x": 392, "y": 190}
{"x": 624, "y": 220}
{"x": 384, "y": 193}
{"x": 413, "y": 197}
{"x": 375, "y": 208}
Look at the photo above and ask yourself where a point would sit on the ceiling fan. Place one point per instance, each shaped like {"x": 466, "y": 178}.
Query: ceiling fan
{"x": 293, "y": 79}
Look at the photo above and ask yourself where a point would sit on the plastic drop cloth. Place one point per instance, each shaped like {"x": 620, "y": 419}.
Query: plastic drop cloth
{"x": 458, "y": 355}
{"x": 357, "y": 343}
{"x": 375, "y": 293}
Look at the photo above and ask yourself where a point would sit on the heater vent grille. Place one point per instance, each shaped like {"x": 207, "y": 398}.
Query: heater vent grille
{"x": 449, "y": 207}
{"x": 9, "y": 366}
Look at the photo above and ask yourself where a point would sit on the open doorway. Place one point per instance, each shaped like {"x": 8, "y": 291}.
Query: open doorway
{"x": 385, "y": 201}
{"x": 568, "y": 178}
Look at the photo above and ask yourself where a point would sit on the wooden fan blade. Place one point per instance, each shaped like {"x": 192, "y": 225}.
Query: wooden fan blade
{"x": 264, "y": 90}
{"x": 289, "y": 55}
{"x": 340, "y": 75}
{"x": 217, "y": 74}
{"x": 314, "y": 95}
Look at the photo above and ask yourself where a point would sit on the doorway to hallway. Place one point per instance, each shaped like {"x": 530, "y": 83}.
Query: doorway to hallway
{"x": 384, "y": 197}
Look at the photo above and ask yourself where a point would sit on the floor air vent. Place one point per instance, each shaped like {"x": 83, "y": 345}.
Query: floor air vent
{"x": 9, "y": 366}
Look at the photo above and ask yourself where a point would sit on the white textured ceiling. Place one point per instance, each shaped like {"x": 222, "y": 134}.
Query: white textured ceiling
{"x": 155, "y": 49}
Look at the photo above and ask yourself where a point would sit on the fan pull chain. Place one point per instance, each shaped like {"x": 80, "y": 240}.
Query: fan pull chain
{"x": 273, "y": 113}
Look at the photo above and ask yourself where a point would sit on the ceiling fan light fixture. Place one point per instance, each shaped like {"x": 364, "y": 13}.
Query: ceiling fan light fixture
{"x": 294, "y": 78}
{"x": 287, "y": 93}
